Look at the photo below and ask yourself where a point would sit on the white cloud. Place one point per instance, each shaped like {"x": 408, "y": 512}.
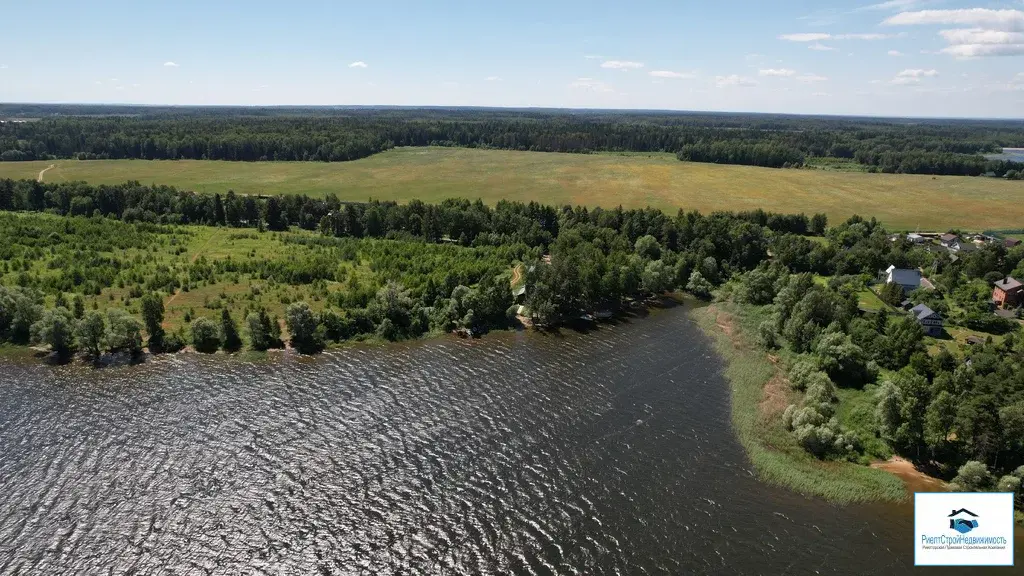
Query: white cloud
{"x": 989, "y": 32}
{"x": 785, "y": 72}
{"x": 820, "y": 47}
{"x": 819, "y": 36}
{"x": 871, "y": 36}
{"x": 733, "y": 80}
{"x": 3, "y": 66}
{"x": 981, "y": 36}
{"x": 493, "y": 79}
{"x": 895, "y": 53}
{"x": 913, "y": 76}
{"x": 671, "y": 74}
{"x": 592, "y": 56}
{"x": 359, "y": 64}
{"x": 820, "y": 94}
{"x": 982, "y": 50}
{"x": 621, "y": 65}
{"x": 591, "y": 84}
{"x": 805, "y": 37}
{"x": 918, "y": 73}
{"x": 1010, "y": 20}
{"x": 810, "y": 78}
{"x": 170, "y": 65}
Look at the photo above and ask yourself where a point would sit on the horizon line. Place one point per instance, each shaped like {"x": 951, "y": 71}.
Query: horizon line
{"x": 527, "y": 108}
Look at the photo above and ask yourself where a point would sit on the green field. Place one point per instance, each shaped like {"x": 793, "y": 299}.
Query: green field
{"x": 632, "y": 180}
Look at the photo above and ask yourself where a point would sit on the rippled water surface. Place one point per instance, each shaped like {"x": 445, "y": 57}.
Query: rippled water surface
{"x": 604, "y": 453}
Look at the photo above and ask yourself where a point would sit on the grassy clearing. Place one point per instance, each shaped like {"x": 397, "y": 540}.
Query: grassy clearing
{"x": 757, "y": 394}
{"x": 632, "y": 180}
{"x": 869, "y": 301}
{"x": 182, "y": 251}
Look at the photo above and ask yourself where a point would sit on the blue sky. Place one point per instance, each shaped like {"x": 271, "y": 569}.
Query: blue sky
{"x": 898, "y": 57}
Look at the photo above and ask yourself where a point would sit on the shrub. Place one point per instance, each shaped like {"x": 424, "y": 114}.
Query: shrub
{"x": 124, "y": 332}
{"x": 56, "y": 328}
{"x": 972, "y": 477}
{"x": 302, "y": 325}
{"x": 91, "y": 332}
{"x": 205, "y": 335}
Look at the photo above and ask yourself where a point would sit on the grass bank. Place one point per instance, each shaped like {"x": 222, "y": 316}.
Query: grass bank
{"x": 760, "y": 394}
{"x": 607, "y": 180}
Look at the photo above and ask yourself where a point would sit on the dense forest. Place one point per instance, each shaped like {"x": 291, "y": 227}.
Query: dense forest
{"x": 325, "y": 134}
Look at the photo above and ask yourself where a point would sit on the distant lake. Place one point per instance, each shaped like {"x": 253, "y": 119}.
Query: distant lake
{"x": 1014, "y": 154}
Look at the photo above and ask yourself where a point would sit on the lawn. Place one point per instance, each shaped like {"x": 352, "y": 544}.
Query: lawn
{"x": 632, "y": 180}
{"x": 869, "y": 301}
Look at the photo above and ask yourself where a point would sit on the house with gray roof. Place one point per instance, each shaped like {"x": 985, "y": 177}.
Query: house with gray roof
{"x": 909, "y": 280}
{"x": 1007, "y": 292}
{"x": 930, "y": 320}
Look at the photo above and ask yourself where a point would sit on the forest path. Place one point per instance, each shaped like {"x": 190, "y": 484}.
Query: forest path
{"x": 44, "y": 170}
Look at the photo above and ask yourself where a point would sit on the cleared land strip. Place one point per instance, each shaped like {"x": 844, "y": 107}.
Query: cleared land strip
{"x": 43, "y": 171}
{"x": 909, "y": 202}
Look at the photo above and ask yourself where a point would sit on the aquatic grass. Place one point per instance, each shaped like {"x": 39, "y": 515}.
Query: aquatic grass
{"x": 772, "y": 450}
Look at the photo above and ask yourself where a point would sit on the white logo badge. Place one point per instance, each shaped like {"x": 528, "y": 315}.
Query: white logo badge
{"x": 963, "y": 529}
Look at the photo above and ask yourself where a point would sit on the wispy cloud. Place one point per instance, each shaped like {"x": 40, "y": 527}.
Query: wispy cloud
{"x": 734, "y": 80}
{"x": 811, "y": 78}
{"x": 820, "y": 94}
{"x": 359, "y": 64}
{"x": 170, "y": 65}
{"x": 805, "y": 37}
{"x": 592, "y": 56}
{"x": 671, "y": 74}
{"x": 591, "y": 85}
{"x": 913, "y": 76}
{"x": 819, "y": 36}
{"x": 918, "y": 73}
{"x": 895, "y": 53}
{"x": 622, "y": 65}
{"x": 868, "y": 36}
{"x": 892, "y": 5}
{"x": 3, "y": 66}
{"x": 820, "y": 47}
{"x": 785, "y": 72}
{"x": 493, "y": 79}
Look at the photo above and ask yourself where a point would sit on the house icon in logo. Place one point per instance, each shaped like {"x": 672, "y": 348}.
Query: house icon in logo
{"x": 963, "y": 520}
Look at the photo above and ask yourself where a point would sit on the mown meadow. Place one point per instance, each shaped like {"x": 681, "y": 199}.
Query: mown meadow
{"x": 633, "y": 180}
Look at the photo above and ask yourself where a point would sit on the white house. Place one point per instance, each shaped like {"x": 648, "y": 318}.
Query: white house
{"x": 909, "y": 280}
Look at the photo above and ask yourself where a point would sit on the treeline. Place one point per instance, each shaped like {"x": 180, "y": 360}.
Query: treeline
{"x": 766, "y": 155}
{"x": 953, "y": 147}
{"x": 457, "y": 221}
{"x": 444, "y": 267}
{"x": 963, "y": 414}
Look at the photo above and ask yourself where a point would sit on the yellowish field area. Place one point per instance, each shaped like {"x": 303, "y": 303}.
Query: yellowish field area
{"x": 607, "y": 180}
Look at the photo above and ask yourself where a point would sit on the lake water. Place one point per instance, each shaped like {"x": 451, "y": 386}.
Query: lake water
{"x": 1013, "y": 154}
{"x": 601, "y": 453}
